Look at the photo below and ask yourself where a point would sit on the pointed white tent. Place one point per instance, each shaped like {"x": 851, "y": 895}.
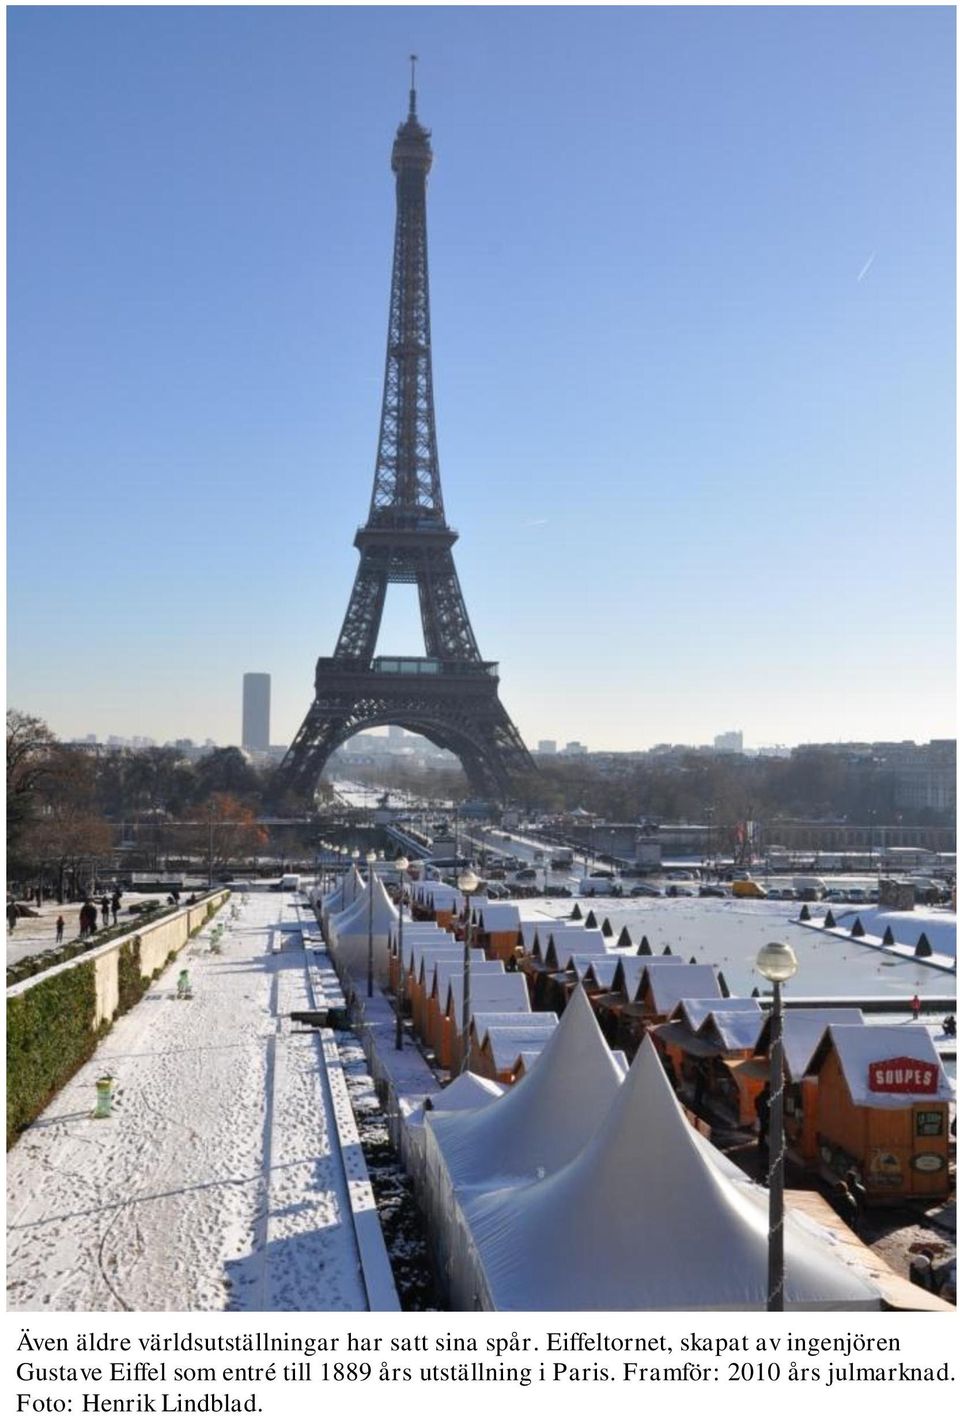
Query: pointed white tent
{"x": 535, "y": 1128}
{"x": 349, "y": 933}
{"x": 643, "y": 1219}
{"x": 343, "y": 896}
{"x": 544, "y": 1120}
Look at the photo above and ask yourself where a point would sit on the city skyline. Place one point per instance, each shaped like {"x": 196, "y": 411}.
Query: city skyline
{"x": 696, "y": 426}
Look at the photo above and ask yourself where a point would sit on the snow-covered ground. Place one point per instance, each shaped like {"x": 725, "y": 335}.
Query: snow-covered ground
{"x": 218, "y": 1182}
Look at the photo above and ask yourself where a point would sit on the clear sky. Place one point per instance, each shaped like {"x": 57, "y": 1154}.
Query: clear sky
{"x": 692, "y": 277}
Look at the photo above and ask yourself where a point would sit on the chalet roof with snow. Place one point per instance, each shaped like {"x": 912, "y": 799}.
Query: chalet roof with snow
{"x": 888, "y": 1065}
{"x": 803, "y": 1030}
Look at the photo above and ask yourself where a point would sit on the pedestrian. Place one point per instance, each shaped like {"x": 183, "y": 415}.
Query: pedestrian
{"x": 114, "y": 908}
{"x": 762, "y": 1105}
{"x": 12, "y": 915}
{"x": 857, "y": 1189}
{"x": 60, "y": 924}
{"x": 39, "y": 895}
{"x": 915, "y": 1006}
{"x": 845, "y": 1205}
{"x": 105, "y": 910}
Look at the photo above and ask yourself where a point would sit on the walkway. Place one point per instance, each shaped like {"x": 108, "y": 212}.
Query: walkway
{"x": 218, "y": 1183}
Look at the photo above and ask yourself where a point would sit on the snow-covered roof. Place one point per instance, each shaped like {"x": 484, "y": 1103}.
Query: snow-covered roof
{"x": 423, "y": 934}
{"x": 646, "y": 1216}
{"x": 802, "y": 1030}
{"x": 909, "y": 1051}
{"x": 564, "y": 943}
{"x": 600, "y": 972}
{"x": 579, "y": 965}
{"x": 480, "y": 1022}
{"x": 497, "y": 916}
{"x": 735, "y": 1030}
{"x": 664, "y": 985}
{"x": 439, "y": 974}
{"x": 628, "y": 973}
{"x": 423, "y": 951}
{"x": 505, "y": 1044}
{"x": 694, "y": 1011}
{"x": 489, "y": 993}
{"x": 545, "y": 1119}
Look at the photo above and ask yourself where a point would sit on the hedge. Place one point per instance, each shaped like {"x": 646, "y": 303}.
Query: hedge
{"x": 50, "y": 1028}
{"x": 50, "y": 1034}
{"x": 131, "y": 986}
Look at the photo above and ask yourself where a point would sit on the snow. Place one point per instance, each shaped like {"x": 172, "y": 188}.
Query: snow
{"x": 218, "y": 1182}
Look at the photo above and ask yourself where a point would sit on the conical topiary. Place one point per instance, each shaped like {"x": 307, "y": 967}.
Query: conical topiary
{"x": 606, "y": 929}
{"x": 624, "y": 942}
{"x": 857, "y": 930}
{"x": 888, "y": 938}
{"x": 591, "y": 921}
{"x": 575, "y": 913}
{"x": 667, "y": 949}
{"x": 829, "y": 922}
{"x": 693, "y": 958}
{"x": 644, "y": 946}
{"x": 804, "y": 913}
{"x": 923, "y": 949}
{"x": 755, "y": 993}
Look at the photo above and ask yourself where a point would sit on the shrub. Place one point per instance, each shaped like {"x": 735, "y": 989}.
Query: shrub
{"x": 50, "y": 1034}
{"x": 131, "y": 984}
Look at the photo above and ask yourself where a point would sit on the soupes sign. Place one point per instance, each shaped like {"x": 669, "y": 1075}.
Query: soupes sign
{"x": 903, "y": 1074}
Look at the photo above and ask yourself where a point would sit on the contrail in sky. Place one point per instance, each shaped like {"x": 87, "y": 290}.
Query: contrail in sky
{"x": 866, "y": 267}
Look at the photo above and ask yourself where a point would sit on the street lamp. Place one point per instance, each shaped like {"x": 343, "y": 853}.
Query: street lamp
{"x": 467, "y": 884}
{"x": 778, "y": 963}
{"x": 401, "y": 864}
{"x": 371, "y": 861}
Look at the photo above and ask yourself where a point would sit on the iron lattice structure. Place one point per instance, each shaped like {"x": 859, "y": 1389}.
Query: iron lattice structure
{"x": 450, "y": 696}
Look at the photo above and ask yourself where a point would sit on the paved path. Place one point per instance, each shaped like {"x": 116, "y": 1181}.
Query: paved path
{"x": 218, "y": 1182}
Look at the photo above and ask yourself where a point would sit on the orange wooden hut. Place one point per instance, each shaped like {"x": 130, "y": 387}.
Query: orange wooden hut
{"x": 884, "y": 1110}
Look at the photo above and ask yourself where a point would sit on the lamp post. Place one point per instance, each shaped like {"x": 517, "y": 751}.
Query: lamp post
{"x": 467, "y": 883}
{"x": 371, "y": 861}
{"x": 778, "y": 963}
{"x": 401, "y": 864}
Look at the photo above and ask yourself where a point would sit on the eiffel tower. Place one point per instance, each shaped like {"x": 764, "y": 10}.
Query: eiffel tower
{"x": 451, "y": 695}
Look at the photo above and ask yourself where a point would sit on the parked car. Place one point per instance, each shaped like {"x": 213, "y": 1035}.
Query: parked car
{"x": 712, "y": 892}
{"x": 676, "y": 890}
{"x": 527, "y": 874}
{"x": 646, "y": 890}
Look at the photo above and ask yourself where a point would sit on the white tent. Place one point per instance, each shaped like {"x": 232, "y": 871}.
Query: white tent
{"x": 343, "y": 896}
{"x": 544, "y": 1120}
{"x": 645, "y": 1218}
{"x": 535, "y": 1128}
{"x": 465, "y": 1093}
{"x": 349, "y": 933}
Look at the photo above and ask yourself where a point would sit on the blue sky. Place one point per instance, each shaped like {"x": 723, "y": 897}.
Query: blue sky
{"x": 692, "y": 279}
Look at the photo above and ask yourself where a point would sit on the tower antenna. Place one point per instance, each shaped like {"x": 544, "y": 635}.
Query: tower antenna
{"x": 413, "y": 85}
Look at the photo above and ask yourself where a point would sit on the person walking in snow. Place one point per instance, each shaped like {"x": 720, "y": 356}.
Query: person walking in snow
{"x": 60, "y": 924}
{"x": 915, "y": 1006}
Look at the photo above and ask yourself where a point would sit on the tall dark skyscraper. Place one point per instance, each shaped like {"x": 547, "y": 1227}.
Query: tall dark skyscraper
{"x": 256, "y": 712}
{"x": 451, "y": 695}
